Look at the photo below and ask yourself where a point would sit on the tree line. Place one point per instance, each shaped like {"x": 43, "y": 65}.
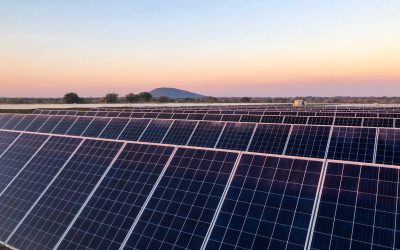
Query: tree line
{"x": 72, "y": 98}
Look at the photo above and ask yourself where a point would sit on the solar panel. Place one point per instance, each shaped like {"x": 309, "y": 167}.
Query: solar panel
{"x": 22, "y": 192}
{"x": 268, "y": 205}
{"x": 64, "y": 125}
{"x": 358, "y": 208}
{"x": 236, "y": 136}
{"x": 112, "y": 209}
{"x": 150, "y": 115}
{"x": 164, "y": 116}
{"x": 308, "y": 141}
{"x": 352, "y": 144}
{"x": 269, "y": 138}
{"x": 196, "y": 117}
{"x": 250, "y": 118}
{"x": 96, "y": 127}
{"x": 4, "y": 119}
{"x": 206, "y": 134}
{"x": 24, "y": 123}
{"x": 37, "y": 123}
{"x": 6, "y": 139}
{"x": 295, "y": 119}
{"x": 49, "y": 218}
{"x": 212, "y": 117}
{"x": 134, "y": 129}
{"x": 180, "y": 132}
{"x": 231, "y": 118}
{"x": 388, "y": 148}
{"x": 180, "y": 116}
{"x": 13, "y": 122}
{"x": 156, "y": 130}
{"x": 344, "y": 121}
{"x": 80, "y": 126}
{"x": 320, "y": 120}
{"x": 180, "y": 211}
{"x": 114, "y": 128}
{"x": 378, "y": 122}
{"x": 272, "y": 119}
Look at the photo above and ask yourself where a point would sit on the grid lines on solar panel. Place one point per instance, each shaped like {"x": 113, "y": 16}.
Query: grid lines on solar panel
{"x": 24, "y": 123}
{"x": 80, "y": 126}
{"x": 114, "y": 128}
{"x": 56, "y": 208}
{"x": 64, "y": 125}
{"x": 212, "y": 117}
{"x": 236, "y": 136}
{"x": 250, "y": 118}
{"x": 112, "y": 209}
{"x": 180, "y": 132}
{"x": 13, "y": 122}
{"x": 15, "y": 158}
{"x": 268, "y": 204}
{"x": 269, "y": 138}
{"x": 50, "y": 124}
{"x": 295, "y": 119}
{"x": 352, "y": 144}
{"x": 4, "y": 119}
{"x": 206, "y": 134}
{"x": 30, "y": 183}
{"x": 357, "y": 208}
{"x": 96, "y": 127}
{"x": 320, "y": 120}
{"x": 308, "y": 141}
{"x": 388, "y": 148}
{"x": 180, "y": 211}
{"x": 134, "y": 129}
{"x": 345, "y": 121}
{"x": 196, "y": 117}
{"x": 37, "y": 123}
{"x": 6, "y": 138}
{"x": 231, "y": 118}
{"x": 272, "y": 119}
{"x": 378, "y": 122}
{"x": 156, "y": 131}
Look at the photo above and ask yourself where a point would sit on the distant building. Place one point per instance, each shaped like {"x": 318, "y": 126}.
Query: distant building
{"x": 299, "y": 103}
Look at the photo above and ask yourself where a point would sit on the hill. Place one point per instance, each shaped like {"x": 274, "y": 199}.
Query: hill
{"x": 175, "y": 93}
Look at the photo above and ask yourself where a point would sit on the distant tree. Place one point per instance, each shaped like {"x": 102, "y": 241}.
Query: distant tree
{"x": 132, "y": 98}
{"x": 164, "y": 99}
{"x": 71, "y": 98}
{"x": 145, "y": 96}
{"x": 111, "y": 98}
{"x": 245, "y": 99}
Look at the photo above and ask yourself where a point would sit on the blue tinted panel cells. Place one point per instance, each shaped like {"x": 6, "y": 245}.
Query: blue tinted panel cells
{"x": 206, "y": 134}
{"x": 269, "y": 138}
{"x": 114, "y": 128}
{"x": 96, "y": 127}
{"x": 30, "y": 183}
{"x": 180, "y": 132}
{"x": 25, "y": 122}
{"x": 15, "y": 158}
{"x": 231, "y": 118}
{"x": 64, "y": 125}
{"x": 50, "y": 124}
{"x": 320, "y": 120}
{"x": 272, "y": 119}
{"x": 79, "y": 126}
{"x": 55, "y": 210}
{"x": 388, "y": 149}
{"x": 37, "y": 123}
{"x": 236, "y": 136}
{"x": 110, "y": 213}
{"x": 357, "y": 208}
{"x": 6, "y": 139}
{"x": 295, "y": 120}
{"x": 13, "y": 122}
{"x": 180, "y": 211}
{"x": 378, "y": 122}
{"x": 344, "y": 121}
{"x": 308, "y": 141}
{"x": 354, "y": 144}
{"x": 212, "y": 117}
{"x": 268, "y": 205}
{"x": 134, "y": 129}
{"x": 4, "y": 119}
{"x": 156, "y": 130}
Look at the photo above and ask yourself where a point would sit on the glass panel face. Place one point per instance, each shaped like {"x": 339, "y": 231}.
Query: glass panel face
{"x": 388, "y": 149}
{"x": 13, "y": 122}
{"x": 358, "y": 208}
{"x": 250, "y": 118}
{"x": 180, "y": 132}
{"x": 4, "y": 119}
{"x": 206, "y": 134}
{"x": 308, "y": 141}
{"x": 64, "y": 125}
{"x": 268, "y": 205}
{"x": 37, "y": 123}
{"x": 6, "y": 138}
{"x": 378, "y": 122}
{"x": 295, "y": 120}
{"x": 80, "y": 126}
{"x": 31, "y": 182}
{"x": 343, "y": 121}
{"x": 156, "y": 131}
{"x": 236, "y": 136}
{"x": 353, "y": 144}
{"x": 269, "y": 138}
{"x": 181, "y": 209}
{"x": 134, "y": 129}
{"x": 25, "y": 122}
{"x": 96, "y": 127}
{"x": 114, "y": 128}
{"x": 320, "y": 120}
{"x": 111, "y": 211}
{"x": 55, "y": 210}
{"x": 272, "y": 119}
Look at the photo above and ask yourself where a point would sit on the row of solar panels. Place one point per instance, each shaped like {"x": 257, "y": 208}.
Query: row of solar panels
{"x": 138, "y": 113}
{"x": 60, "y": 192}
{"x": 314, "y": 120}
{"x": 345, "y": 143}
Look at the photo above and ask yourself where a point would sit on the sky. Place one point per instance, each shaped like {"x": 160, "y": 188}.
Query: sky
{"x": 218, "y": 48}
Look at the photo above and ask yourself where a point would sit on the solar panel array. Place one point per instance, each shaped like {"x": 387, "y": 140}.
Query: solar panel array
{"x": 245, "y": 177}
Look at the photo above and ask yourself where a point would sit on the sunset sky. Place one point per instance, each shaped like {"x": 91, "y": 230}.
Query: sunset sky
{"x": 218, "y": 48}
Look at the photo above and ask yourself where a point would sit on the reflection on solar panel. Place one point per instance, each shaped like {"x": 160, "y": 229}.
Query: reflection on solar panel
{"x": 111, "y": 211}
{"x": 79, "y": 126}
{"x": 30, "y": 183}
{"x": 236, "y": 136}
{"x": 96, "y": 127}
{"x": 134, "y": 129}
{"x": 4, "y": 119}
{"x": 308, "y": 141}
{"x": 352, "y": 144}
{"x": 13, "y": 122}
{"x": 24, "y": 123}
{"x": 343, "y": 121}
{"x": 6, "y": 139}
{"x": 64, "y": 125}
{"x": 272, "y": 119}
{"x": 268, "y": 205}
{"x": 180, "y": 211}
{"x": 114, "y": 128}
{"x": 270, "y": 138}
{"x": 388, "y": 148}
{"x": 156, "y": 130}
{"x": 320, "y": 120}
{"x": 37, "y": 123}
{"x": 180, "y": 132}
{"x": 358, "y": 208}
{"x": 206, "y": 134}
{"x": 45, "y": 223}
{"x": 378, "y": 122}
